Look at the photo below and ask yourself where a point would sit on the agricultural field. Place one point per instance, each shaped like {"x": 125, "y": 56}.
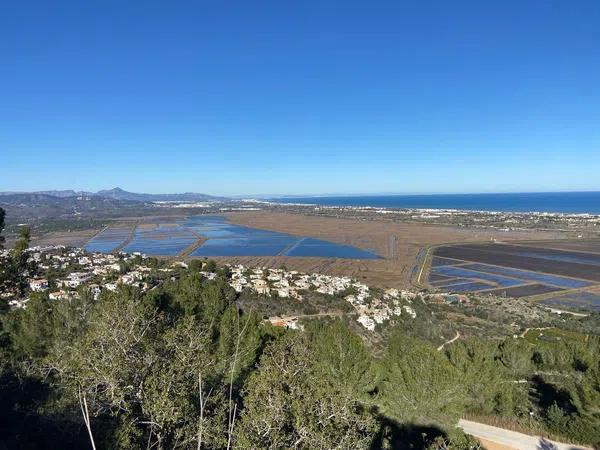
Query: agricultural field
{"x": 558, "y": 274}
{"x": 161, "y": 239}
{"x": 108, "y": 239}
{"x": 214, "y": 236}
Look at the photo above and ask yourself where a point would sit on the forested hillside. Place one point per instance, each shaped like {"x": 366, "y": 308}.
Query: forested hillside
{"x": 191, "y": 363}
{"x": 181, "y": 366}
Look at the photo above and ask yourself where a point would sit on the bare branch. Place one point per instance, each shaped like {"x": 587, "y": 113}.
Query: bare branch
{"x": 86, "y": 416}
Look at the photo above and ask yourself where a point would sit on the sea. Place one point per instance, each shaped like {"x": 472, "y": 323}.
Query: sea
{"x": 551, "y": 202}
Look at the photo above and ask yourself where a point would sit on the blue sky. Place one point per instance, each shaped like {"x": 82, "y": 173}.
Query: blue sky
{"x": 256, "y": 97}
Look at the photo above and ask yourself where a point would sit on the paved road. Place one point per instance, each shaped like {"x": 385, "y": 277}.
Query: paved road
{"x": 513, "y": 439}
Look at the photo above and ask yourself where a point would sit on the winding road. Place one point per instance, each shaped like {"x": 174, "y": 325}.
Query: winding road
{"x": 508, "y": 439}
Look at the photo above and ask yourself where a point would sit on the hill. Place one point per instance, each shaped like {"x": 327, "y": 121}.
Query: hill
{"x": 38, "y": 206}
{"x": 120, "y": 194}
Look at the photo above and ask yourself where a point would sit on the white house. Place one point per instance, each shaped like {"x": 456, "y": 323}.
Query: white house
{"x": 38, "y": 285}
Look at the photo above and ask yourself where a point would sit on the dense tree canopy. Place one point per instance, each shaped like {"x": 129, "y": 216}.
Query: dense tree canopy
{"x": 310, "y": 392}
{"x": 418, "y": 384}
{"x": 182, "y": 366}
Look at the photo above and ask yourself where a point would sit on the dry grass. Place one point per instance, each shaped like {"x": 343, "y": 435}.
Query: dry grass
{"x": 397, "y": 242}
{"x": 489, "y": 445}
{"x": 68, "y": 238}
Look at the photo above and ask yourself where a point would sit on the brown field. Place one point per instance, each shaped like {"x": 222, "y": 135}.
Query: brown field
{"x": 398, "y": 243}
{"x": 501, "y": 256}
{"x": 68, "y": 238}
{"x": 579, "y": 245}
{"x": 525, "y": 291}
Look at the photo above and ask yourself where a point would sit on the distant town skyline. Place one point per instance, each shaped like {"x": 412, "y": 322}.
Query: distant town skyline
{"x": 300, "y": 99}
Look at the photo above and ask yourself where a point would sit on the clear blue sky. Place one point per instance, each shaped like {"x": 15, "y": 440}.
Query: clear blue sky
{"x": 234, "y": 97}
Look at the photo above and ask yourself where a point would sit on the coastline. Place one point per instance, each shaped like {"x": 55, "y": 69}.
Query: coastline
{"x": 392, "y": 209}
{"x": 586, "y": 202}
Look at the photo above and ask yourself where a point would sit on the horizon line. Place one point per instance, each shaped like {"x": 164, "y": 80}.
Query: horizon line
{"x": 325, "y": 194}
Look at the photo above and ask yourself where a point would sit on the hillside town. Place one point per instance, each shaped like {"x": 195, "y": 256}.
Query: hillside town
{"x": 62, "y": 272}
{"x": 371, "y": 310}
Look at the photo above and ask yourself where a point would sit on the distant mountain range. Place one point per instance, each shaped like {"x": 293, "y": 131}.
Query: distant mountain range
{"x": 120, "y": 194}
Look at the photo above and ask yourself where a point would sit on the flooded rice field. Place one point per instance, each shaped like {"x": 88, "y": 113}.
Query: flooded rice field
{"x": 560, "y": 274}
{"x": 164, "y": 240}
{"x": 227, "y": 239}
{"x": 215, "y": 236}
{"x": 108, "y": 240}
{"x": 513, "y": 256}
